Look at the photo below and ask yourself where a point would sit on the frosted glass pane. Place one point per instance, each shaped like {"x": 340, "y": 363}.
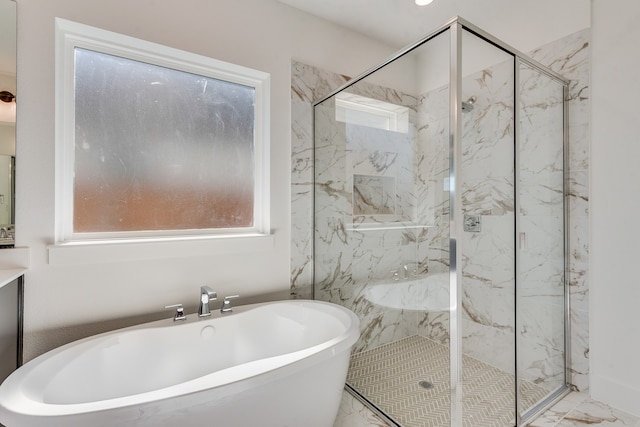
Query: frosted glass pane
{"x": 160, "y": 149}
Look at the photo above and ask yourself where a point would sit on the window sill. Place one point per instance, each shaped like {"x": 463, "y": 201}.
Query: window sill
{"x": 110, "y": 251}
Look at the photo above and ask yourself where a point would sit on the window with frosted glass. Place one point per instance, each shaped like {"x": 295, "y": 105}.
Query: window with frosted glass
{"x": 159, "y": 149}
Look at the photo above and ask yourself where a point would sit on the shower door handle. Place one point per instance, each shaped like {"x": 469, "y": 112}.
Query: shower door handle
{"x": 522, "y": 240}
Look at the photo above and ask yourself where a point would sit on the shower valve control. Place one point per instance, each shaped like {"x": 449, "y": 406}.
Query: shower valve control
{"x": 472, "y": 223}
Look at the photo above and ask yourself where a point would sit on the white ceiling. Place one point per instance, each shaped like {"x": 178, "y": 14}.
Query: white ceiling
{"x": 523, "y": 24}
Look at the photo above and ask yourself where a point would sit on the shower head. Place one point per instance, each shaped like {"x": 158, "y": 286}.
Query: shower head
{"x": 467, "y": 105}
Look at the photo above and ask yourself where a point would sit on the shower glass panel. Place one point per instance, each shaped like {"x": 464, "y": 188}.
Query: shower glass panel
{"x": 382, "y": 229}
{"x": 439, "y": 219}
{"x": 541, "y": 237}
{"x": 486, "y": 184}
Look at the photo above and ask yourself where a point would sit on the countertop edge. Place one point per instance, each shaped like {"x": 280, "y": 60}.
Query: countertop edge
{"x": 8, "y": 275}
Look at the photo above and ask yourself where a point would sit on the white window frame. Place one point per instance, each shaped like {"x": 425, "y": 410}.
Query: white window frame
{"x": 70, "y": 35}
{"x": 396, "y": 117}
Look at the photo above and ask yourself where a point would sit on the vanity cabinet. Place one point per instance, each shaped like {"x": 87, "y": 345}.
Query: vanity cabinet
{"x": 11, "y": 307}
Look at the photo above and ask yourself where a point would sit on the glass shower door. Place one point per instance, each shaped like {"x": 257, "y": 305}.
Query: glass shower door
{"x": 541, "y": 238}
{"x": 486, "y": 236}
{"x": 381, "y": 238}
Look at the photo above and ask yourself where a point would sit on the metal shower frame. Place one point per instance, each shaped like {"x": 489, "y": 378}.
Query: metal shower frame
{"x": 456, "y": 26}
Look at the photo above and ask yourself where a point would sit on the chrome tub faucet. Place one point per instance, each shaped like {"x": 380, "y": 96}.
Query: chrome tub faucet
{"x": 206, "y": 296}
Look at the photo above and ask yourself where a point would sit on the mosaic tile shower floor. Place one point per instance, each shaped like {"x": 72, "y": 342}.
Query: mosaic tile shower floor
{"x": 390, "y": 377}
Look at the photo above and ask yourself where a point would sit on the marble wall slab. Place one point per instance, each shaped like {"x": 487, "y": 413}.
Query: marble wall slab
{"x": 308, "y": 84}
{"x": 357, "y": 246}
{"x": 488, "y": 191}
{"x": 570, "y": 58}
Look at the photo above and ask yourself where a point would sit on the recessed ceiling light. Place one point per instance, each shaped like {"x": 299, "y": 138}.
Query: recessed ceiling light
{"x": 423, "y": 2}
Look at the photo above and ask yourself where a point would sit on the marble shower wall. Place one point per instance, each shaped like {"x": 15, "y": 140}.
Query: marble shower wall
{"x": 308, "y": 84}
{"x": 570, "y": 58}
{"x": 541, "y": 290}
{"x": 487, "y": 182}
{"x": 486, "y": 179}
{"x": 485, "y": 317}
{"x": 365, "y": 195}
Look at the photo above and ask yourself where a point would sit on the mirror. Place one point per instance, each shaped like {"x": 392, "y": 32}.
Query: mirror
{"x": 8, "y": 95}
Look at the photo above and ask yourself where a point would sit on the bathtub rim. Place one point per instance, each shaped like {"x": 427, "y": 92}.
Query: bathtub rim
{"x": 15, "y": 401}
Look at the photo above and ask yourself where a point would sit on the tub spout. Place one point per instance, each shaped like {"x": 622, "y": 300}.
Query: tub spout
{"x": 206, "y": 295}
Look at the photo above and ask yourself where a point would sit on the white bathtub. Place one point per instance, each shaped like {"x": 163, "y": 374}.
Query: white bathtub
{"x": 428, "y": 293}
{"x": 274, "y": 364}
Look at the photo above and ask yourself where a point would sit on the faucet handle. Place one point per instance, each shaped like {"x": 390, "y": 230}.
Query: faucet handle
{"x": 226, "y": 304}
{"x": 179, "y": 314}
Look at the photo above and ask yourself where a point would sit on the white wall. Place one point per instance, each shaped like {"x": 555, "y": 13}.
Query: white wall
{"x": 615, "y": 204}
{"x": 66, "y": 302}
{"x": 7, "y": 139}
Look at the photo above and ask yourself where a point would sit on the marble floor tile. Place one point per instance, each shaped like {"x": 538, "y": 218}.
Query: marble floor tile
{"x": 553, "y": 415}
{"x": 591, "y": 412}
{"x": 575, "y": 410}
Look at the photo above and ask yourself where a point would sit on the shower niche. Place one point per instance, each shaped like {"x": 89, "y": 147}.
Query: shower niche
{"x": 460, "y": 325}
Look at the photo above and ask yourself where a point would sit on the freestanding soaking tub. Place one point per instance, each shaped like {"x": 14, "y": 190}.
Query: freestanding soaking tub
{"x": 273, "y": 364}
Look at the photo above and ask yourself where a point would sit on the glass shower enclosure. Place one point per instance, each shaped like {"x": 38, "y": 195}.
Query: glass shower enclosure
{"x": 439, "y": 209}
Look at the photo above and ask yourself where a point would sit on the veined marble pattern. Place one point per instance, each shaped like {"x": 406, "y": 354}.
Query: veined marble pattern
{"x": 570, "y": 58}
{"x": 308, "y": 84}
{"x": 383, "y": 156}
{"x": 541, "y": 212}
{"x": 349, "y": 255}
{"x": 429, "y": 246}
{"x": 374, "y": 195}
{"x": 577, "y": 409}
{"x": 487, "y": 182}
